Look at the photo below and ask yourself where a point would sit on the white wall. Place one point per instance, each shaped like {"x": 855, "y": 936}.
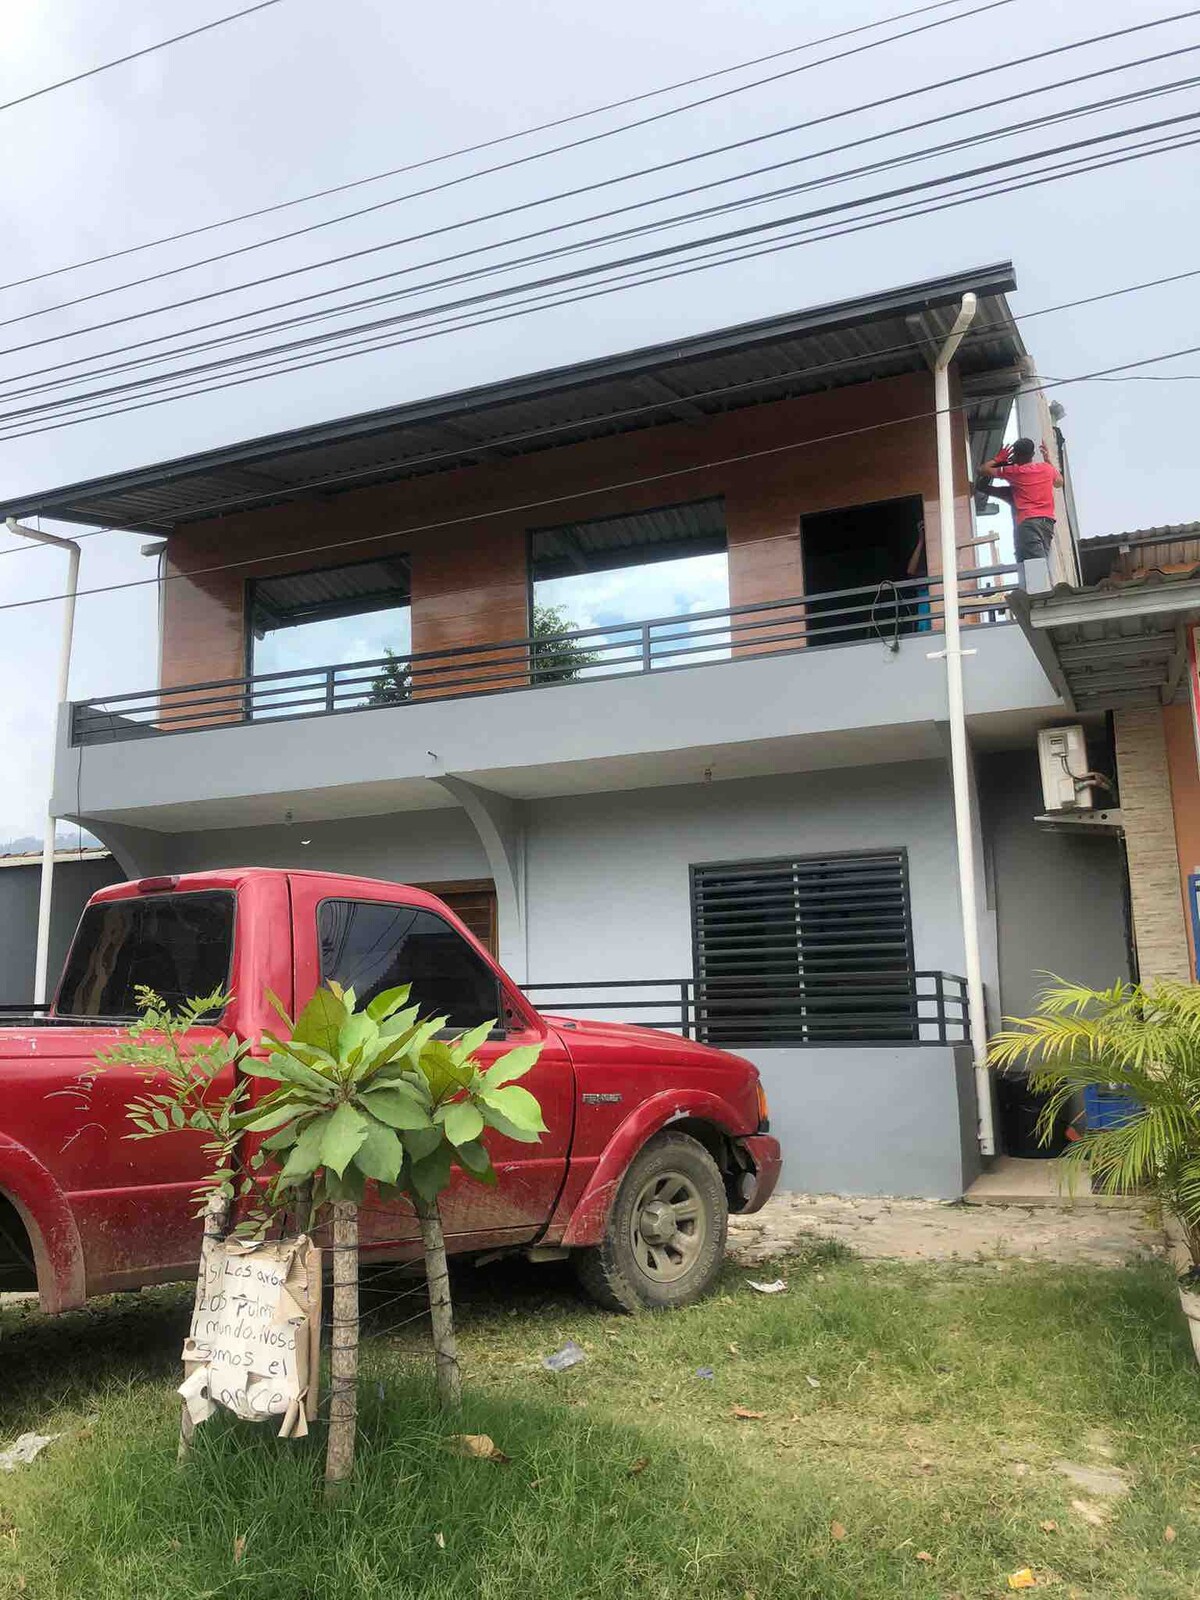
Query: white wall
{"x": 607, "y": 875}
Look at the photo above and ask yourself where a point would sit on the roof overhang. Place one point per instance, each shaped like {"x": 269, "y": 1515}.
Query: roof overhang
{"x": 801, "y": 352}
{"x": 1113, "y": 647}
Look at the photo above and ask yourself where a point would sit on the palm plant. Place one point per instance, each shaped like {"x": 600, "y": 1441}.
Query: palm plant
{"x": 1144, "y": 1042}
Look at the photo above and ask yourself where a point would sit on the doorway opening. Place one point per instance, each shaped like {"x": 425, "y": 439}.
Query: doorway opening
{"x": 868, "y": 548}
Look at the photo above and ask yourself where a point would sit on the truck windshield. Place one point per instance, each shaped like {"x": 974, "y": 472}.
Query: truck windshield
{"x": 179, "y": 945}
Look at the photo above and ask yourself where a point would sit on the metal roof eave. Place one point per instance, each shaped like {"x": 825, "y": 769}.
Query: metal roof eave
{"x": 1111, "y": 666}
{"x": 77, "y": 502}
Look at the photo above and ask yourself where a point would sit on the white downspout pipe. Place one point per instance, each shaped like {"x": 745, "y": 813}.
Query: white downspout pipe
{"x": 41, "y": 968}
{"x": 959, "y": 752}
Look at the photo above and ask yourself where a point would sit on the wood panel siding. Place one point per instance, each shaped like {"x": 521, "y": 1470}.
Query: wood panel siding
{"x": 466, "y": 531}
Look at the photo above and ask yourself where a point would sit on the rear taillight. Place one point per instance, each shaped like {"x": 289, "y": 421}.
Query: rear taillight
{"x": 156, "y": 885}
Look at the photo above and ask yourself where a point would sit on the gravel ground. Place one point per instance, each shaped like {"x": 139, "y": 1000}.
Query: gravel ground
{"x": 930, "y": 1230}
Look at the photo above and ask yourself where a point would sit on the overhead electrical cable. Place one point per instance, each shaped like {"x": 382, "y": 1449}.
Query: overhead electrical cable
{"x": 134, "y": 55}
{"x": 488, "y": 144}
{"x": 804, "y": 237}
{"x": 240, "y": 250}
{"x": 345, "y": 308}
{"x": 353, "y": 255}
{"x": 661, "y": 253}
{"x": 590, "y": 491}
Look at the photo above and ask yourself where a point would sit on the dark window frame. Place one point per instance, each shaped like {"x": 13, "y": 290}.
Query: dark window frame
{"x": 504, "y": 1003}
{"x": 897, "y": 854}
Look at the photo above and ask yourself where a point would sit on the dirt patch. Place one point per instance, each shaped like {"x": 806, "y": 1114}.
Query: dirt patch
{"x": 930, "y": 1230}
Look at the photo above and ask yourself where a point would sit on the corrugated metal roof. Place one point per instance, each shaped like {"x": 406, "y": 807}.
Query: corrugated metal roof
{"x": 1118, "y": 643}
{"x": 295, "y": 597}
{"x": 601, "y": 544}
{"x": 1168, "y": 547}
{"x": 801, "y": 352}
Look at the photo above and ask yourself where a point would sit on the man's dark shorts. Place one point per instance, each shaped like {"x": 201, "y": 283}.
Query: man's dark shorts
{"x": 1034, "y": 538}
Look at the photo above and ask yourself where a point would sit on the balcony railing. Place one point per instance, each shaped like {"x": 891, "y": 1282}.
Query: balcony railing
{"x": 883, "y": 612}
{"x": 847, "y": 1008}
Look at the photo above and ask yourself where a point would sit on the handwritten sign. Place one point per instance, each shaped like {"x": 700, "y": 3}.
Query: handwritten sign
{"x": 254, "y": 1343}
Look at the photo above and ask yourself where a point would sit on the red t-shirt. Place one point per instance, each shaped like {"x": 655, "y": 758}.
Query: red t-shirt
{"x": 1032, "y": 484}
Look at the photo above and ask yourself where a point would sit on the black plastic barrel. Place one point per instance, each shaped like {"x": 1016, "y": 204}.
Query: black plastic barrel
{"x": 1020, "y": 1107}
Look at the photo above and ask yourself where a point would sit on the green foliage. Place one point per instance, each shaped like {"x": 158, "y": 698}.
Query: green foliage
{"x": 371, "y": 1095}
{"x": 552, "y": 658}
{"x": 1142, "y": 1042}
{"x": 161, "y": 1045}
{"x": 362, "y": 1095}
{"x": 393, "y": 684}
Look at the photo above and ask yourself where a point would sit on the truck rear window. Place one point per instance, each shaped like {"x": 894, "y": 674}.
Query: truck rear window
{"x": 179, "y": 945}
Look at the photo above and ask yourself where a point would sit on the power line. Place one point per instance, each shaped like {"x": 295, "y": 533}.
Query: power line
{"x": 976, "y": 331}
{"x": 135, "y": 55}
{"x": 803, "y": 237}
{"x": 574, "y": 494}
{"x": 564, "y": 279}
{"x": 348, "y": 306}
{"x": 170, "y": 272}
{"x": 488, "y": 144}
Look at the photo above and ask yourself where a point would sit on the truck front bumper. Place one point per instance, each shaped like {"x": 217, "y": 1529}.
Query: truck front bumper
{"x": 764, "y": 1159}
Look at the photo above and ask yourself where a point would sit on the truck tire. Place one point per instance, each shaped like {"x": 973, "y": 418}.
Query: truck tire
{"x": 665, "y": 1237}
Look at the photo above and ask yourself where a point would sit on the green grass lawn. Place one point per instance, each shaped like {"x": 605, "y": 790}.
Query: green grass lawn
{"x": 912, "y": 1416}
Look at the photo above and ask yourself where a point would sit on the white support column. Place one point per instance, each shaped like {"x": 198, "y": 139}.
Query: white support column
{"x": 499, "y": 822}
{"x": 960, "y": 756}
{"x": 41, "y": 970}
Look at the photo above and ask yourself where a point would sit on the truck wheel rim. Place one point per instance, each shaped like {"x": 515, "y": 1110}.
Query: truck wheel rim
{"x": 668, "y": 1227}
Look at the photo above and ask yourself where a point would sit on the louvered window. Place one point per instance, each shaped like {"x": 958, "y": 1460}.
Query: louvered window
{"x": 804, "y": 950}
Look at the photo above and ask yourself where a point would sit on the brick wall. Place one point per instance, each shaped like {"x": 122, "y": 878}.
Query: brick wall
{"x": 469, "y": 576}
{"x": 1159, "y": 927}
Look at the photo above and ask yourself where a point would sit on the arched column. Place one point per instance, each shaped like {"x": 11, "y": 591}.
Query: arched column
{"x": 500, "y": 824}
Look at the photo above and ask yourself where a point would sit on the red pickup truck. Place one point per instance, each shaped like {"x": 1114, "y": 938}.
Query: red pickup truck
{"x": 652, "y": 1138}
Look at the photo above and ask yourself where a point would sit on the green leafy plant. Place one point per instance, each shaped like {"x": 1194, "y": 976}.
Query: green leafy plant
{"x": 553, "y": 658}
{"x": 365, "y": 1095}
{"x": 392, "y": 686}
{"x": 1145, "y": 1044}
{"x": 161, "y": 1044}
{"x": 371, "y": 1095}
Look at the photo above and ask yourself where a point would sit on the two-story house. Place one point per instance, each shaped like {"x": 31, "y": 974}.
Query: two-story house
{"x": 638, "y": 663}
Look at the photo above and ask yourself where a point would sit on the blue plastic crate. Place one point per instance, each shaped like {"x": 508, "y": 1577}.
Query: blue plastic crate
{"x": 1106, "y": 1108}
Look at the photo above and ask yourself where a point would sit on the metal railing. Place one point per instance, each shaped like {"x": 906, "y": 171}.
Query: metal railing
{"x": 830, "y": 1009}
{"x": 880, "y": 612}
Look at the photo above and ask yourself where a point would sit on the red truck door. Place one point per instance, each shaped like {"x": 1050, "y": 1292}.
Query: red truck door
{"x": 371, "y": 937}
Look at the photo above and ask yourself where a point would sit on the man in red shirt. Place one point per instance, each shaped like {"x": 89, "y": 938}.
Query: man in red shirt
{"x": 1032, "y": 485}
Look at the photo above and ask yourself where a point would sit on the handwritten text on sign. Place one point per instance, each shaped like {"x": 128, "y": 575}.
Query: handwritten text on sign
{"x": 253, "y": 1344}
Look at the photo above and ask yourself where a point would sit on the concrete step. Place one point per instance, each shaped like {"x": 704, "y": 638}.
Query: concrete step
{"x": 1017, "y": 1181}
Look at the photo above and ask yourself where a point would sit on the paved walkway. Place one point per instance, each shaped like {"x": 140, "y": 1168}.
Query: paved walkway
{"x": 914, "y": 1230}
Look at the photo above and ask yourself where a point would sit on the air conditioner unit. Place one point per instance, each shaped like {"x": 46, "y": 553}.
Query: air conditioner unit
{"x": 1062, "y": 757}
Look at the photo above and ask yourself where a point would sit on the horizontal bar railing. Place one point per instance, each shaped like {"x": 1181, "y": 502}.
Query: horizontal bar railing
{"x": 883, "y": 612}
{"x": 828, "y": 1008}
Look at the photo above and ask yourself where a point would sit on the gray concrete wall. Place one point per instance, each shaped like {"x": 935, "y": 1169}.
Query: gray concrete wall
{"x": 873, "y": 1121}
{"x": 606, "y": 895}
{"x": 411, "y": 846}
{"x": 74, "y": 883}
{"x": 606, "y": 884}
{"x": 1058, "y": 897}
{"x": 846, "y": 705}
{"x": 607, "y": 875}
